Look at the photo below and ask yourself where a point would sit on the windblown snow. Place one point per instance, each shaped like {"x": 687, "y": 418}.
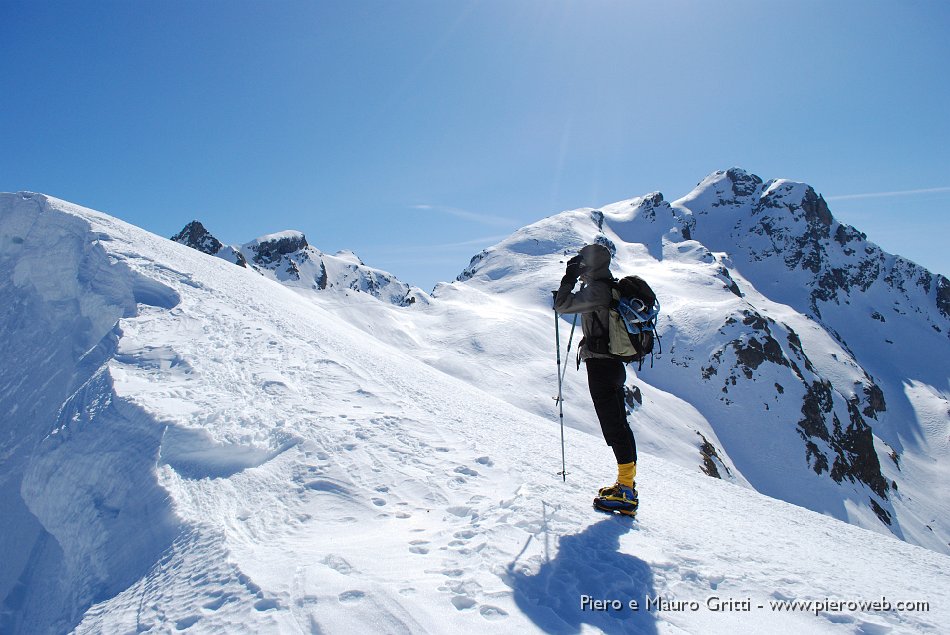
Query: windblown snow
{"x": 191, "y": 445}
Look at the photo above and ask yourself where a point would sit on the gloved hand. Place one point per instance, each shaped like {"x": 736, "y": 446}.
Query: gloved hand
{"x": 573, "y": 268}
{"x": 572, "y": 272}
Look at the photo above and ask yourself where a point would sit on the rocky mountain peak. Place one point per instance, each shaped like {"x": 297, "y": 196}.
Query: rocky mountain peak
{"x": 195, "y": 235}
{"x": 743, "y": 183}
{"x": 722, "y": 195}
{"x": 732, "y": 184}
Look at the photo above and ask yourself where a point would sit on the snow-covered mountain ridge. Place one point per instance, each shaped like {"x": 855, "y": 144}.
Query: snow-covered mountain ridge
{"x": 288, "y": 257}
{"x": 192, "y": 446}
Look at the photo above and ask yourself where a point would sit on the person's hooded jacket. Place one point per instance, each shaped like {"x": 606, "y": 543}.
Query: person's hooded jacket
{"x": 592, "y": 301}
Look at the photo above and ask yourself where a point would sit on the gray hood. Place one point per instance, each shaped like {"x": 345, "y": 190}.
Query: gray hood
{"x": 595, "y": 263}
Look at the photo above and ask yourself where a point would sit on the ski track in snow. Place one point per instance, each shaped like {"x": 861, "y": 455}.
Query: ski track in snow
{"x": 326, "y": 482}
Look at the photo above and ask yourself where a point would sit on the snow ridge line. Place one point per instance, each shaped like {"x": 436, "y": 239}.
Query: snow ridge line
{"x": 79, "y": 486}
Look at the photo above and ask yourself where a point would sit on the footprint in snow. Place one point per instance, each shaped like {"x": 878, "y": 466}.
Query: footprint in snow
{"x": 218, "y": 602}
{"x": 338, "y": 564}
{"x": 492, "y": 612}
{"x": 275, "y": 388}
{"x": 186, "y": 622}
{"x": 419, "y": 546}
{"x": 351, "y": 597}
{"x": 322, "y": 485}
{"x": 466, "y": 471}
{"x": 463, "y": 602}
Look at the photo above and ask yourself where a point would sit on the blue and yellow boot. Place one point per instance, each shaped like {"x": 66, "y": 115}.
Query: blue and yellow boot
{"x": 621, "y": 497}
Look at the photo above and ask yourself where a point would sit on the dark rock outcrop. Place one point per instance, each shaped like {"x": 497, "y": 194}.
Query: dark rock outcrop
{"x": 271, "y": 250}
{"x": 195, "y": 235}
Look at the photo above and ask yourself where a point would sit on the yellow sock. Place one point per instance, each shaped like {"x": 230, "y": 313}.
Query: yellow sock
{"x": 626, "y": 472}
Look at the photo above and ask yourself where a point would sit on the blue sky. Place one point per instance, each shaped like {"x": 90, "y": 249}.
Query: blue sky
{"x": 417, "y": 133}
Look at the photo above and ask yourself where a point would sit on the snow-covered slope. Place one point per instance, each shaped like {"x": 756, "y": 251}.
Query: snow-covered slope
{"x": 780, "y": 370}
{"x": 190, "y": 445}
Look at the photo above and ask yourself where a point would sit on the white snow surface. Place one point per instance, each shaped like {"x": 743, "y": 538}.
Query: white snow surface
{"x": 190, "y": 445}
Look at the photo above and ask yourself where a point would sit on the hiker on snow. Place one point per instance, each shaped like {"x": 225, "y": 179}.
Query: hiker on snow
{"x": 606, "y": 373}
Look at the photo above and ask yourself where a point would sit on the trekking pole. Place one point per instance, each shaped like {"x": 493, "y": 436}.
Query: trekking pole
{"x": 567, "y": 354}
{"x": 560, "y": 398}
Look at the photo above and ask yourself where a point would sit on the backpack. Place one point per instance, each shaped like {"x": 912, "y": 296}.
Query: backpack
{"x": 633, "y": 313}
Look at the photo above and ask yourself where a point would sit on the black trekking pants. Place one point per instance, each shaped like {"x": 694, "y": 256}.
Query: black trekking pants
{"x": 605, "y": 378}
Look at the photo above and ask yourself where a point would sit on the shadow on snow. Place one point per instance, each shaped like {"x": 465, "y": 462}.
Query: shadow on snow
{"x": 587, "y": 564}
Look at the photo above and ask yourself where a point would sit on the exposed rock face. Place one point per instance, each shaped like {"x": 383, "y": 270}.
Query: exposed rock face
{"x": 743, "y": 184}
{"x": 711, "y": 459}
{"x": 943, "y": 296}
{"x": 728, "y": 281}
{"x": 195, "y": 235}
{"x": 847, "y": 452}
{"x": 271, "y": 249}
{"x": 851, "y": 447}
{"x": 472, "y": 267}
{"x": 321, "y": 279}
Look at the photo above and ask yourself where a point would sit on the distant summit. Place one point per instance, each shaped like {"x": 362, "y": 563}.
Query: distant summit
{"x": 289, "y": 258}
{"x": 195, "y": 235}
{"x": 789, "y": 225}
